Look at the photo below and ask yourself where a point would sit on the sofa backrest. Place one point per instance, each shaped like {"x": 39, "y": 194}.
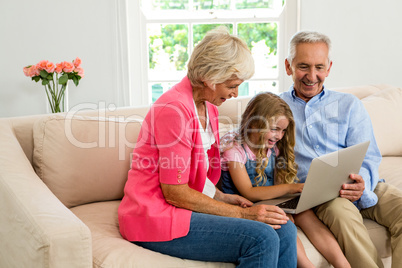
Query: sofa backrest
{"x": 22, "y": 126}
{"x": 23, "y": 131}
{"x": 85, "y": 157}
{"x": 82, "y": 157}
{"x": 231, "y": 110}
{"x": 383, "y": 103}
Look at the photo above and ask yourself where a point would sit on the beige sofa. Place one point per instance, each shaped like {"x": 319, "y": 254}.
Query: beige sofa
{"x": 62, "y": 178}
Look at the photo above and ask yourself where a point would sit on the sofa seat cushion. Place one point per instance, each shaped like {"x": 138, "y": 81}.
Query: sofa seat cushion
{"x": 111, "y": 250}
{"x": 84, "y": 159}
{"x": 378, "y": 234}
{"x": 380, "y": 237}
{"x": 312, "y": 253}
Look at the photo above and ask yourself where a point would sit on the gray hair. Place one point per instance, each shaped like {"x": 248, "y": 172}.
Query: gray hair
{"x": 219, "y": 57}
{"x": 307, "y": 37}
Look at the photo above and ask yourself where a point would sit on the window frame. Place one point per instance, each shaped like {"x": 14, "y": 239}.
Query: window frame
{"x": 287, "y": 21}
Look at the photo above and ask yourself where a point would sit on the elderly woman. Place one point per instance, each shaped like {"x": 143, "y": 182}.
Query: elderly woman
{"x": 170, "y": 202}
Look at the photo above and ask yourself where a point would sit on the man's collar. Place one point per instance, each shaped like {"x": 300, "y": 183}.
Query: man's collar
{"x": 318, "y": 96}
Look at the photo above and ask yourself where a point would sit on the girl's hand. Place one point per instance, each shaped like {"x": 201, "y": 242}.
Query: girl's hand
{"x": 290, "y": 217}
{"x": 295, "y": 188}
{"x": 233, "y": 199}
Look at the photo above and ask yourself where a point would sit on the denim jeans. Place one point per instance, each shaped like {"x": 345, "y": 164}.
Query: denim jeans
{"x": 246, "y": 243}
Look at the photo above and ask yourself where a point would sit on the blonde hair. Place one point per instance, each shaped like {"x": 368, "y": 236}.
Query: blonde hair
{"x": 219, "y": 57}
{"x": 261, "y": 109}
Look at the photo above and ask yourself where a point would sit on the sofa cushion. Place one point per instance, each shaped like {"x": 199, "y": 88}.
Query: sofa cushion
{"x": 380, "y": 237}
{"x": 84, "y": 159}
{"x": 231, "y": 110}
{"x": 385, "y": 110}
{"x": 391, "y": 171}
{"x": 312, "y": 253}
{"x": 111, "y": 250}
{"x": 361, "y": 91}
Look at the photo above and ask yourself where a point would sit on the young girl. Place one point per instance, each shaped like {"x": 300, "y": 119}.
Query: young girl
{"x": 258, "y": 163}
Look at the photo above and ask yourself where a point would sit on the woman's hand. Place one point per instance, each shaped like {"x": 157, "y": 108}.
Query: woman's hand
{"x": 223, "y": 205}
{"x": 271, "y": 215}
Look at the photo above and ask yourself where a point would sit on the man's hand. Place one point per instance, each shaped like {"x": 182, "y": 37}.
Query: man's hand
{"x": 353, "y": 191}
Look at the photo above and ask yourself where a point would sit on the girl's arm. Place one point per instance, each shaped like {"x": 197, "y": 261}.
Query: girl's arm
{"x": 243, "y": 184}
{"x": 182, "y": 196}
{"x": 233, "y": 199}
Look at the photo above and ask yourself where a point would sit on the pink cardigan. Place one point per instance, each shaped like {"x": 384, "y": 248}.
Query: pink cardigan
{"x": 168, "y": 150}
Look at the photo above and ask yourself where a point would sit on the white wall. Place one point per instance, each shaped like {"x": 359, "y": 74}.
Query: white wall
{"x": 366, "y": 37}
{"x": 57, "y": 31}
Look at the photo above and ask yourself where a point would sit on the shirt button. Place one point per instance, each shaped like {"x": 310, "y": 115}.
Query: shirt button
{"x": 178, "y": 176}
{"x": 179, "y": 171}
{"x": 178, "y": 180}
{"x": 317, "y": 146}
{"x": 310, "y": 126}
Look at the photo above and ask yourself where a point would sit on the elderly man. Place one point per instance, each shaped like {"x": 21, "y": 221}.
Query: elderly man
{"x": 327, "y": 121}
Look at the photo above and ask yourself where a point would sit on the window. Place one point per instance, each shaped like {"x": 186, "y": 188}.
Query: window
{"x": 171, "y": 29}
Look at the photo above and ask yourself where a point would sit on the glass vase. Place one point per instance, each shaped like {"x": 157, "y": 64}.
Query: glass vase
{"x": 57, "y": 98}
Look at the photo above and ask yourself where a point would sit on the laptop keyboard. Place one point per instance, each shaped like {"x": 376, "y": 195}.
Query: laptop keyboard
{"x": 291, "y": 203}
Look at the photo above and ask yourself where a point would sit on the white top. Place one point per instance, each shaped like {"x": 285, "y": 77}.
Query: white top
{"x": 208, "y": 138}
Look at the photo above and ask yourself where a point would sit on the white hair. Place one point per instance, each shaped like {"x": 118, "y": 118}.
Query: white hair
{"x": 219, "y": 57}
{"x": 307, "y": 37}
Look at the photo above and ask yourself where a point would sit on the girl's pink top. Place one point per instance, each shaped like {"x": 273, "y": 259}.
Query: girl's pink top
{"x": 169, "y": 150}
{"x": 232, "y": 151}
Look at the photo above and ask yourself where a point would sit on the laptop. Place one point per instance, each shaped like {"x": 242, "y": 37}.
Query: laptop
{"x": 324, "y": 180}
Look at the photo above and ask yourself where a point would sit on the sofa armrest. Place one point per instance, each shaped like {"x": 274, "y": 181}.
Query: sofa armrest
{"x": 37, "y": 230}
